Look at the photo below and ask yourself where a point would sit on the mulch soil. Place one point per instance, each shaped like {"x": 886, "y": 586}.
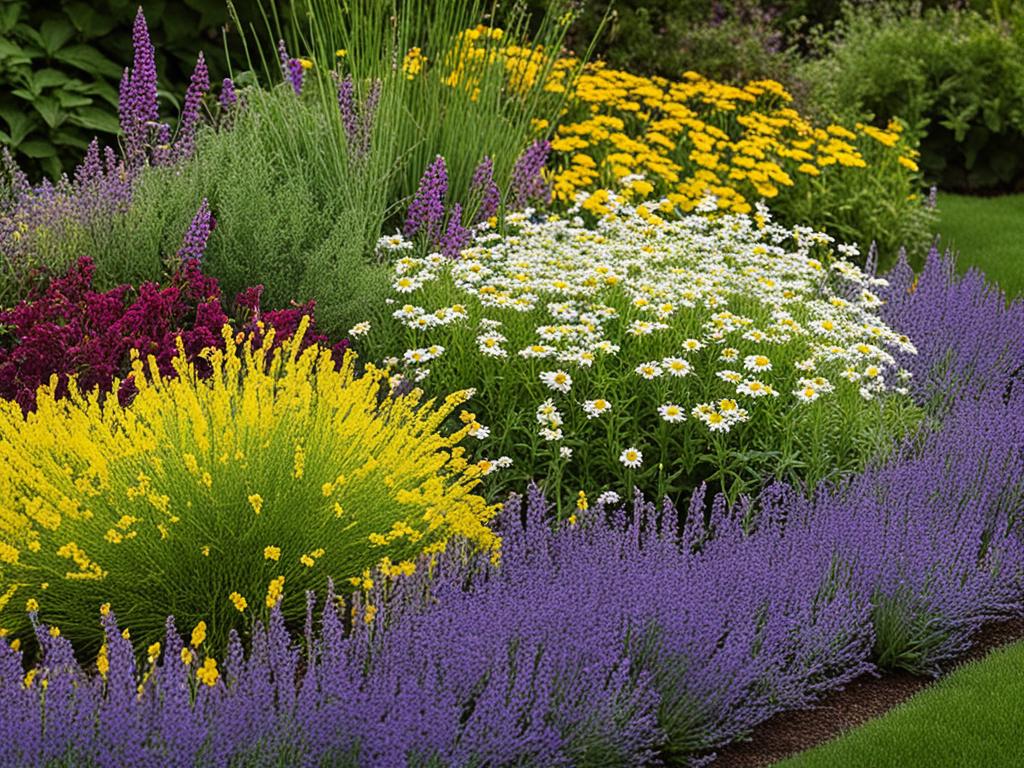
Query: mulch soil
{"x": 864, "y": 699}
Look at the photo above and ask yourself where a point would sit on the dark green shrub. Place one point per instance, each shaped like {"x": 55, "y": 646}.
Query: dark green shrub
{"x": 60, "y": 63}
{"x": 955, "y": 76}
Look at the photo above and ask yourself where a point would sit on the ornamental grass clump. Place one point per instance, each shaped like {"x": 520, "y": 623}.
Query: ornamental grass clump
{"x": 651, "y": 350}
{"x": 210, "y": 495}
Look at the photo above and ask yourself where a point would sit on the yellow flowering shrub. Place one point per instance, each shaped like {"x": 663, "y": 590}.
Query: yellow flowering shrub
{"x": 204, "y": 497}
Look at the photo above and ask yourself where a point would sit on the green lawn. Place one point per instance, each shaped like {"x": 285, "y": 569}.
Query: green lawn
{"x": 988, "y": 232}
{"x": 972, "y": 719}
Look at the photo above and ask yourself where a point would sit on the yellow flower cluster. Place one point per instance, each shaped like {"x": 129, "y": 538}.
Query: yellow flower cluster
{"x": 277, "y": 462}
{"x": 651, "y": 137}
{"x": 687, "y": 139}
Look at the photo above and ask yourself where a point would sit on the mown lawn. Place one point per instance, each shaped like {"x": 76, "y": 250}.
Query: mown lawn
{"x": 972, "y": 719}
{"x": 988, "y": 233}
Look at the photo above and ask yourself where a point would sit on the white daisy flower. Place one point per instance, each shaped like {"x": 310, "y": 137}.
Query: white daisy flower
{"x": 677, "y": 366}
{"x": 559, "y": 380}
{"x": 671, "y": 413}
{"x": 649, "y": 370}
{"x": 359, "y": 329}
{"x": 757, "y": 363}
{"x": 594, "y": 408}
{"x": 631, "y": 458}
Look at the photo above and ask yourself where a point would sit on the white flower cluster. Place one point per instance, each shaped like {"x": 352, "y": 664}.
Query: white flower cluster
{"x": 762, "y": 312}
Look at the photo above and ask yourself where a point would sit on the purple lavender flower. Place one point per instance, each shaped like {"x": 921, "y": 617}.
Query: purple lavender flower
{"x": 197, "y": 235}
{"x": 357, "y": 118}
{"x": 528, "y": 182}
{"x": 162, "y": 152}
{"x": 456, "y": 236}
{"x": 138, "y": 107}
{"x": 228, "y": 95}
{"x": 291, "y": 67}
{"x": 483, "y": 184}
{"x": 426, "y": 211}
{"x": 197, "y": 88}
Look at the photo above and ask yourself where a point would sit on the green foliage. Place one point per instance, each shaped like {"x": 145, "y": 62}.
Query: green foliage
{"x": 292, "y": 213}
{"x": 60, "y": 64}
{"x": 734, "y": 41}
{"x": 955, "y": 76}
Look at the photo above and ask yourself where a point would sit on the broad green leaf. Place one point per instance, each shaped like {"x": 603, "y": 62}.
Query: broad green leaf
{"x": 89, "y": 21}
{"x": 37, "y": 148}
{"x": 49, "y": 108}
{"x": 54, "y": 33}
{"x": 89, "y": 59}
{"x": 10, "y": 48}
{"x": 70, "y": 100}
{"x": 19, "y": 122}
{"x": 95, "y": 119}
{"x": 48, "y": 78}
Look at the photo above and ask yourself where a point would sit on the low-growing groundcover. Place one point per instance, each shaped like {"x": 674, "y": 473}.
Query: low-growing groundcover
{"x": 615, "y": 637}
{"x": 972, "y": 717}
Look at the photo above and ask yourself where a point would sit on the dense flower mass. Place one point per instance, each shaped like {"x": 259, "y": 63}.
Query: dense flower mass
{"x": 173, "y": 499}
{"x": 72, "y": 330}
{"x": 722, "y": 335}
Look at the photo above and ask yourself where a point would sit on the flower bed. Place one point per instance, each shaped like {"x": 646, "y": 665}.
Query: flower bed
{"x": 743, "y": 469}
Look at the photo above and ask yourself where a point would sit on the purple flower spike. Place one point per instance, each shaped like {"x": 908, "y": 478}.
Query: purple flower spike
{"x": 228, "y": 96}
{"x": 484, "y": 185}
{"x": 194, "y": 244}
{"x": 456, "y": 237}
{"x": 138, "y": 107}
{"x": 357, "y": 118}
{"x": 527, "y": 180}
{"x": 292, "y": 68}
{"x": 426, "y": 212}
{"x": 197, "y": 88}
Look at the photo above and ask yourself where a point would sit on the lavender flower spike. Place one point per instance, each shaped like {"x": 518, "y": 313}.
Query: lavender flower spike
{"x": 527, "y": 180}
{"x": 198, "y": 234}
{"x": 484, "y": 185}
{"x": 197, "y": 88}
{"x": 426, "y": 212}
{"x": 228, "y": 95}
{"x": 456, "y": 237}
{"x": 292, "y": 68}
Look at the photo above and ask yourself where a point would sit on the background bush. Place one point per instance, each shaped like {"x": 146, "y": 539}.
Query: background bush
{"x": 955, "y": 76}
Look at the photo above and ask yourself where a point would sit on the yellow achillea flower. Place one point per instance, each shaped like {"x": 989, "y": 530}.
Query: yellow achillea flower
{"x": 272, "y": 553}
{"x": 199, "y": 634}
{"x": 256, "y": 502}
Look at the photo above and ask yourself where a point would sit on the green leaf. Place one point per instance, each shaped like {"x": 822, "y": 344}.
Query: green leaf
{"x": 89, "y": 59}
{"x": 48, "y": 78}
{"x": 88, "y": 21}
{"x": 54, "y": 33}
{"x": 102, "y": 89}
{"x": 95, "y": 119}
{"x": 20, "y": 124}
{"x": 9, "y": 17}
{"x": 37, "y": 148}
{"x": 10, "y": 48}
{"x": 49, "y": 108}
{"x": 69, "y": 100}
